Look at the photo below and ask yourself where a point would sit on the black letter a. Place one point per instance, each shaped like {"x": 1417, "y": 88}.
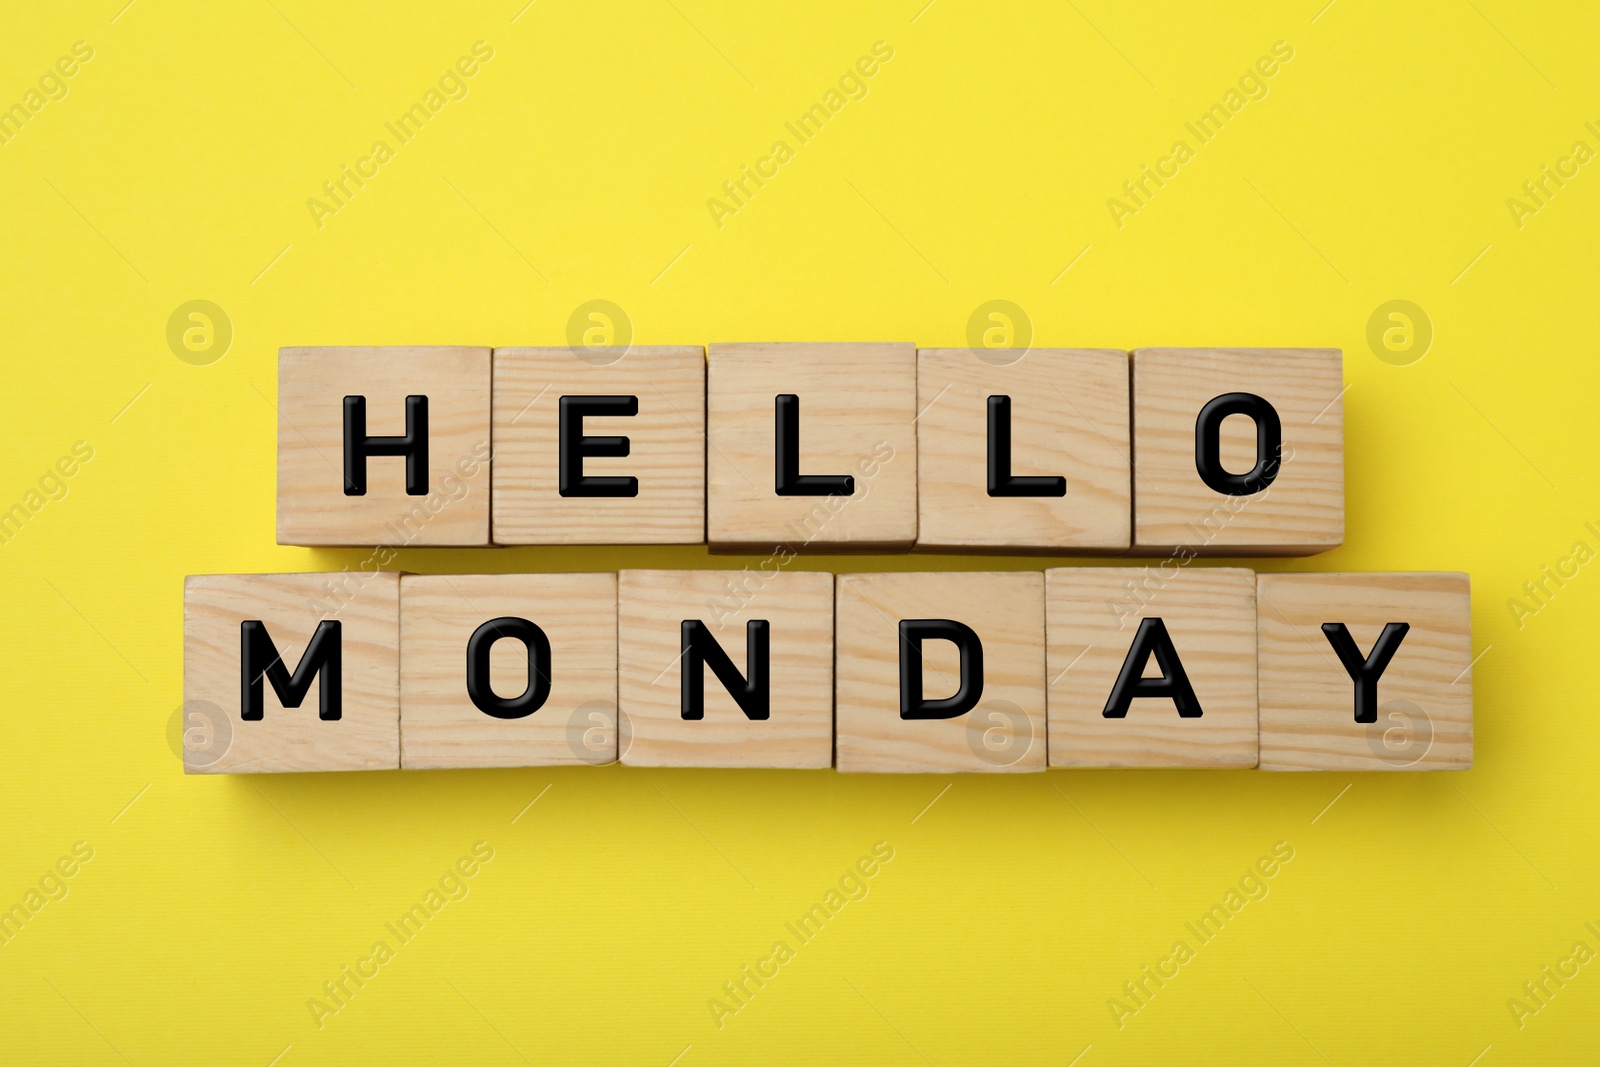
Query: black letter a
{"x": 1152, "y": 640}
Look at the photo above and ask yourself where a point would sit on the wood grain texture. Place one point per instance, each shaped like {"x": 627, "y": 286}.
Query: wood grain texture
{"x": 439, "y": 724}
{"x": 1424, "y": 717}
{"x": 1004, "y": 733}
{"x": 366, "y": 737}
{"x": 1069, "y": 418}
{"x": 857, "y": 417}
{"x": 312, "y": 506}
{"x": 1301, "y": 512}
{"x": 1092, "y": 616}
{"x": 798, "y": 606}
{"x": 667, "y": 446}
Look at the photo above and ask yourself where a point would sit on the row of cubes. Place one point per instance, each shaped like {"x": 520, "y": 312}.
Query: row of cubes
{"x": 1181, "y": 666}
{"x": 826, "y": 446}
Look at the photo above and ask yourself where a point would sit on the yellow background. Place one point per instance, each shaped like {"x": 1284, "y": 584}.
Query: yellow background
{"x": 1378, "y": 167}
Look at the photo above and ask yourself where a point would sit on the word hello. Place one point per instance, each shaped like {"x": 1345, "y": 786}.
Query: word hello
{"x": 853, "y": 446}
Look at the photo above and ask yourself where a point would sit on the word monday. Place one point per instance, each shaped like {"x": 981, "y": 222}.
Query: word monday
{"x": 911, "y": 672}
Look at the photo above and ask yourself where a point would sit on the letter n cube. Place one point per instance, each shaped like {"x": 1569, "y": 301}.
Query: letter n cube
{"x": 725, "y": 668}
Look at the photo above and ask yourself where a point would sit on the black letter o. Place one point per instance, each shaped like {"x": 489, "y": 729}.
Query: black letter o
{"x": 479, "y": 646}
{"x": 1208, "y": 443}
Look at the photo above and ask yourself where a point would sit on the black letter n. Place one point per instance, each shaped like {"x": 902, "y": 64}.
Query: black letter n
{"x": 258, "y": 658}
{"x": 700, "y": 650}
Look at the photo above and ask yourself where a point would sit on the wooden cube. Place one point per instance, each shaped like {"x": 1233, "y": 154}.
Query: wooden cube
{"x": 692, "y": 693}
{"x": 1419, "y": 703}
{"x": 905, "y": 648}
{"x": 1031, "y": 455}
{"x": 846, "y": 477}
{"x": 1111, "y": 628}
{"x": 633, "y": 469}
{"x": 1238, "y": 451}
{"x": 346, "y": 415}
{"x": 541, "y": 653}
{"x": 255, "y": 643}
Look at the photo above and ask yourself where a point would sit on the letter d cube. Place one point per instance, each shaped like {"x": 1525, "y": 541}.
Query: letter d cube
{"x": 940, "y": 673}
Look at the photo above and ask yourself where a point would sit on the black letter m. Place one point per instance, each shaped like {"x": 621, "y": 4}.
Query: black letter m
{"x": 259, "y": 658}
